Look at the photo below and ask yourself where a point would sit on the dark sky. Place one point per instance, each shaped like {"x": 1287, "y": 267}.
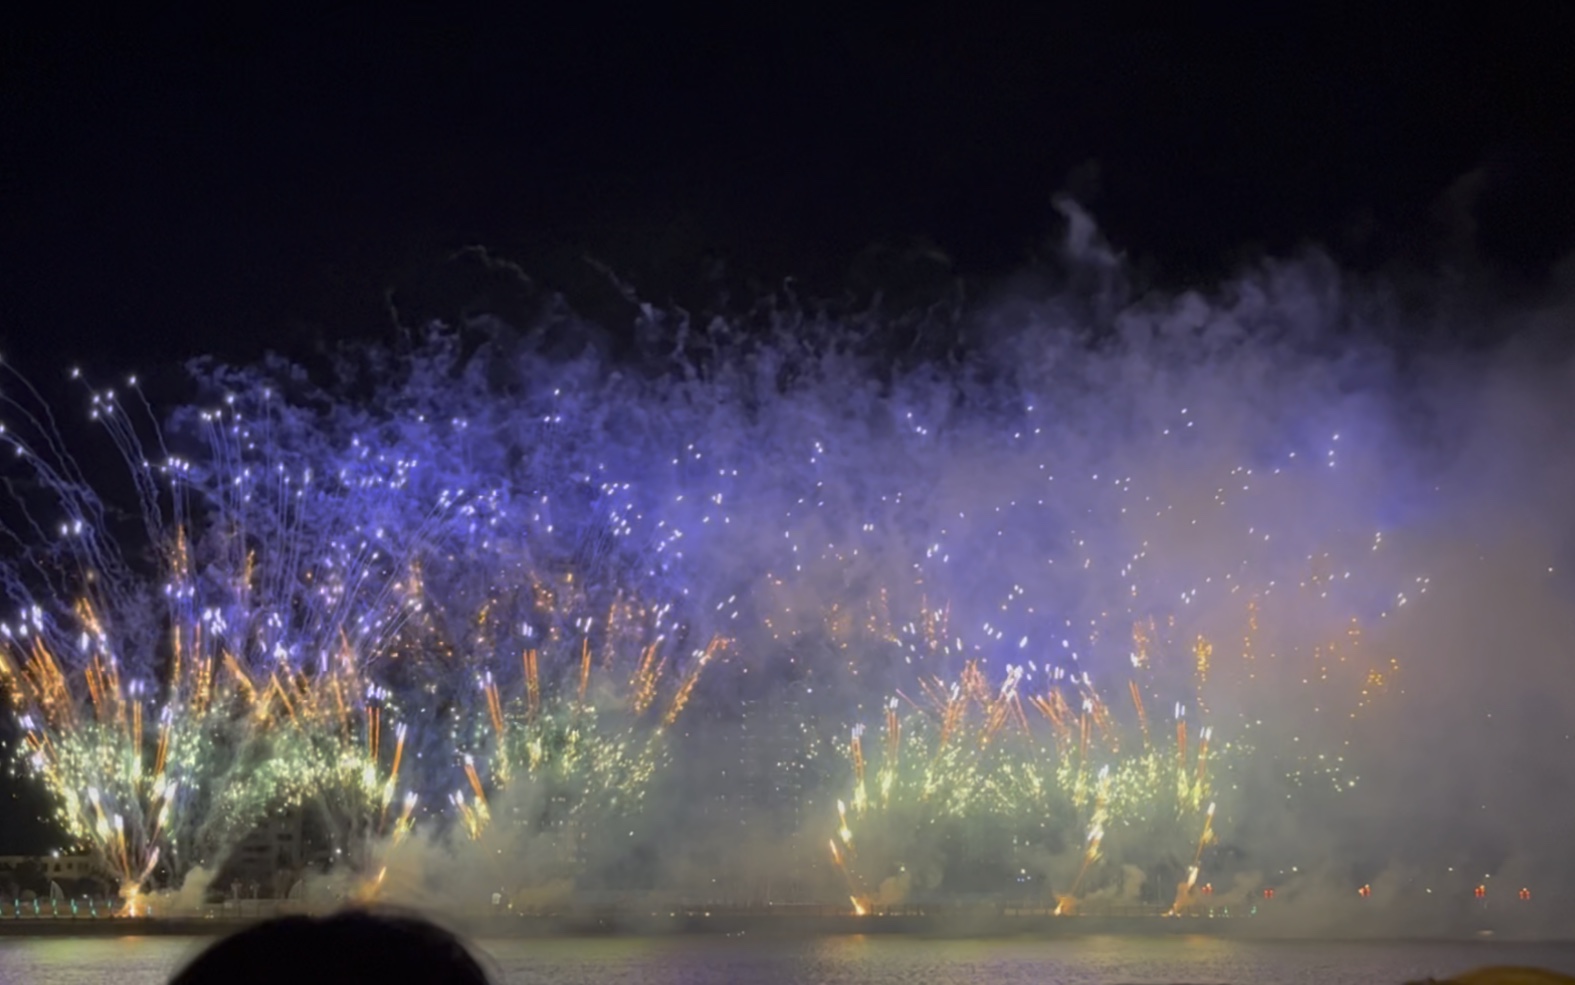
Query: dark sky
{"x": 175, "y": 185}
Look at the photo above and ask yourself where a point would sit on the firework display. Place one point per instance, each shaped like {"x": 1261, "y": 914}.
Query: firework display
{"x": 250, "y": 668}
{"x": 495, "y": 617}
{"x": 172, "y": 702}
{"x": 584, "y": 728}
{"x": 969, "y": 755}
{"x": 1056, "y": 769}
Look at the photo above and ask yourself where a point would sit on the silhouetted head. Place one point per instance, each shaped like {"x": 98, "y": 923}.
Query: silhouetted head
{"x": 353, "y": 946}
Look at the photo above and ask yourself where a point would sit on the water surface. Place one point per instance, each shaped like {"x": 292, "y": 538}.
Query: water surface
{"x": 862, "y": 960}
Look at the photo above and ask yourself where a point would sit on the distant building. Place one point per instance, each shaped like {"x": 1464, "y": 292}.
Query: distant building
{"x": 268, "y": 861}
{"x": 74, "y": 874}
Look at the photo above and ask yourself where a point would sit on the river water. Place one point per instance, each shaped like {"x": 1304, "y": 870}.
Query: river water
{"x": 871, "y": 961}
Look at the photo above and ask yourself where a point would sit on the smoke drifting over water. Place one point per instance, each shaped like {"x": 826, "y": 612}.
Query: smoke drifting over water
{"x": 1246, "y": 509}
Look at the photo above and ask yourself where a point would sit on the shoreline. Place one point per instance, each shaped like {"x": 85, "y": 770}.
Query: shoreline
{"x": 721, "y": 925}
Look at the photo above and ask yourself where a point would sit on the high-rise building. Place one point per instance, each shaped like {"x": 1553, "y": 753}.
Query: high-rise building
{"x": 763, "y": 799}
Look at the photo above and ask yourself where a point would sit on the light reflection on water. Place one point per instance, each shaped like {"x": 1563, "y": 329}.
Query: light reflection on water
{"x": 91, "y": 960}
{"x": 871, "y": 960}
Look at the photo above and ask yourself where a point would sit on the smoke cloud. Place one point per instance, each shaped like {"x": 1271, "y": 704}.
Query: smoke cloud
{"x": 1286, "y": 508}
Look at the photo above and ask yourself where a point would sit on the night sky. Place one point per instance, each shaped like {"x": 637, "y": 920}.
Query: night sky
{"x": 235, "y": 182}
{"x": 229, "y": 183}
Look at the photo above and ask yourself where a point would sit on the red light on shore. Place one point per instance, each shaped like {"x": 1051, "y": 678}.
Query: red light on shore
{"x": 1208, "y": 889}
{"x": 1480, "y": 892}
{"x": 1268, "y": 894}
{"x": 1365, "y": 892}
{"x": 1525, "y": 894}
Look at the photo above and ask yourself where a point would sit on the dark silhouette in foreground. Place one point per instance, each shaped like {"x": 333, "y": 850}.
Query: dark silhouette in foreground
{"x": 352, "y": 946}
